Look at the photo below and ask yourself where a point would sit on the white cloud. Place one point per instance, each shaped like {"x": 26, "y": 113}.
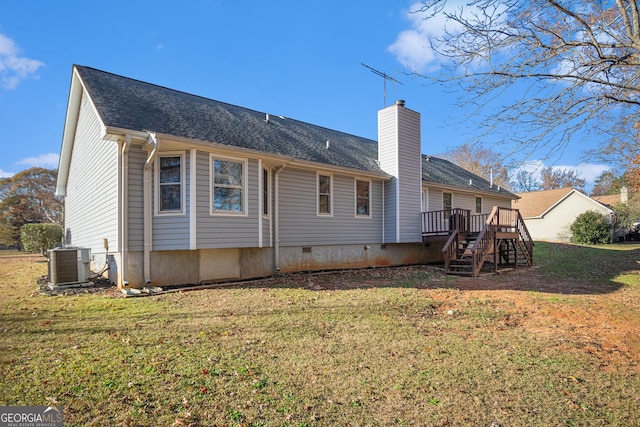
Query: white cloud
{"x": 15, "y": 68}
{"x": 49, "y": 160}
{"x": 4, "y": 174}
{"x": 414, "y": 48}
{"x": 587, "y": 171}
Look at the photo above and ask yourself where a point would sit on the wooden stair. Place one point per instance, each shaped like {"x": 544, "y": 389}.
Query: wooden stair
{"x": 462, "y": 264}
{"x": 503, "y": 244}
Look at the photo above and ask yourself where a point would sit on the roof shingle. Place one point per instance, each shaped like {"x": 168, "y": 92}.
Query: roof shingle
{"x": 127, "y": 103}
{"x": 132, "y": 104}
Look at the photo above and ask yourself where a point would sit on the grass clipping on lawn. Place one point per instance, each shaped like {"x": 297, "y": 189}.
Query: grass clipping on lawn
{"x": 551, "y": 345}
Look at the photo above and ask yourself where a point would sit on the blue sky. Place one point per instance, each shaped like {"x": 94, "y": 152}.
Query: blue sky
{"x": 299, "y": 59}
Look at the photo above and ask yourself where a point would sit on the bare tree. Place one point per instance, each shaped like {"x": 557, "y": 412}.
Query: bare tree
{"x": 551, "y": 178}
{"x": 483, "y": 162}
{"x": 27, "y": 198}
{"x": 525, "y": 181}
{"x": 570, "y": 67}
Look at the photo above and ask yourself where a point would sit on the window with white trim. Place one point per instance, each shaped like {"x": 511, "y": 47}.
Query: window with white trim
{"x": 478, "y": 205}
{"x": 228, "y": 185}
{"x": 265, "y": 192}
{"x": 363, "y": 198}
{"x": 169, "y": 184}
{"x": 447, "y": 202}
{"x": 324, "y": 195}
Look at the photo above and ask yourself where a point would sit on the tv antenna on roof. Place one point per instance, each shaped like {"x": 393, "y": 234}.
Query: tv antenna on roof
{"x": 385, "y": 76}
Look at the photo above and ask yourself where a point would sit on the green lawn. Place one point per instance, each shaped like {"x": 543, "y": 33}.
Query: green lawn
{"x": 399, "y": 347}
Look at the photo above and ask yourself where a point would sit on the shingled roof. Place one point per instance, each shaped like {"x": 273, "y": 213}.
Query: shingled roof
{"x": 444, "y": 172}
{"x": 131, "y": 104}
{"x": 126, "y": 103}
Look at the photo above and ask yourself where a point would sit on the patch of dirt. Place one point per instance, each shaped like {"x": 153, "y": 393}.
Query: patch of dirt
{"x": 589, "y": 317}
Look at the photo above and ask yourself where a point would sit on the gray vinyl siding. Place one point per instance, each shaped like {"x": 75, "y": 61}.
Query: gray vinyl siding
{"x": 171, "y": 232}
{"x": 91, "y": 203}
{"x": 226, "y": 231}
{"x": 390, "y": 211}
{"x": 435, "y": 199}
{"x": 137, "y": 158}
{"x": 465, "y": 200}
{"x": 489, "y": 202}
{"x": 300, "y": 225}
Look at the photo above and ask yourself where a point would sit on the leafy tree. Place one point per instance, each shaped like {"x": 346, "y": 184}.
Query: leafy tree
{"x": 554, "y": 67}
{"x": 40, "y": 237}
{"x": 551, "y": 178}
{"x": 27, "y": 198}
{"x": 625, "y": 215}
{"x": 483, "y": 162}
{"x": 591, "y": 228}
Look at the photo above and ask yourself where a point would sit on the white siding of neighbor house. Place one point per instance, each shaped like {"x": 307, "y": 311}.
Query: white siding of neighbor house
{"x": 91, "y": 202}
{"x": 300, "y": 224}
{"x": 226, "y": 231}
{"x": 555, "y": 225}
{"x": 399, "y": 156}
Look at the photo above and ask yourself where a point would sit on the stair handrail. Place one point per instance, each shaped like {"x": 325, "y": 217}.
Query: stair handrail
{"x": 525, "y": 238}
{"x": 450, "y": 249}
{"x": 480, "y": 248}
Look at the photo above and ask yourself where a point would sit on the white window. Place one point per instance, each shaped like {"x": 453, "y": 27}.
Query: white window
{"x": 228, "y": 185}
{"x": 325, "y": 201}
{"x": 169, "y": 189}
{"x": 363, "y": 198}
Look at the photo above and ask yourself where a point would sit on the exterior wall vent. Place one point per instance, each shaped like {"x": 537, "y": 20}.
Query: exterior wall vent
{"x": 69, "y": 266}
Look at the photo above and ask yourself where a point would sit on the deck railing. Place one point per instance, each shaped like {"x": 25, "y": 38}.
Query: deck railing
{"x": 446, "y": 221}
{"x": 500, "y": 220}
{"x": 486, "y": 225}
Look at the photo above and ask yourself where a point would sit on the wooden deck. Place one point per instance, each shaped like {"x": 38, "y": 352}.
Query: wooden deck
{"x": 493, "y": 242}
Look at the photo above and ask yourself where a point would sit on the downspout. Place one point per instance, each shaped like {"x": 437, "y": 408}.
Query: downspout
{"x": 147, "y": 215}
{"x": 276, "y": 214}
{"x": 124, "y": 212}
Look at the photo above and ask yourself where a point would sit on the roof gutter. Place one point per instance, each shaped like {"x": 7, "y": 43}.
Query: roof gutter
{"x": 168, "y": 140}
{"x": 146, "y": 195}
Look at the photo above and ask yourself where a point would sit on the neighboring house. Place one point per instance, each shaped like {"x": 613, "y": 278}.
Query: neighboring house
{"x": 183, "y": 189}
{"x": 610, "y": 200}
{"x": 549, "y": 214}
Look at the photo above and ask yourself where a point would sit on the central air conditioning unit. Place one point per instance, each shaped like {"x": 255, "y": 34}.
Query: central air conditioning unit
{"x": 68, "y": 266}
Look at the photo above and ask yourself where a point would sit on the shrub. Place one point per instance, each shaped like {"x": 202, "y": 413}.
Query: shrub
{"x": 40, "y": 237}
{"x": 591, "y": 228}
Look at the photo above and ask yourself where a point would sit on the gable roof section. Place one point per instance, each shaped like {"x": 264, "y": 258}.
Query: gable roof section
{"x": 608, "y": 200}
{"x": 536, "y": 204}
{"x": 125, "y": 104}
{"x": 443, "y": 172}
{"x": 131, "y": 104}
